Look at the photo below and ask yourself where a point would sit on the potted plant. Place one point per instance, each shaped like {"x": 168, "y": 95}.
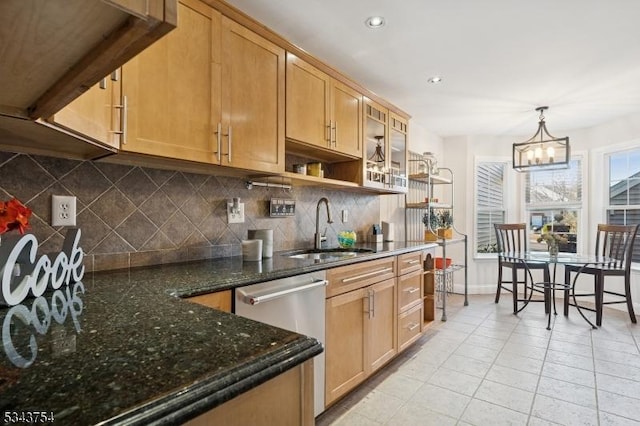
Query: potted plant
{"x": 445, "y": 220}
{"x": 431, "y": 225}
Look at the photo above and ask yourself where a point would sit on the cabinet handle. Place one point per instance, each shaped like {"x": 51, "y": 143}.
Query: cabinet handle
{"x": 368, "y": 274}
{"x": 372, "y": 304}
{"x": 123, "y": 120}
{"x": 218, "y": 140}
{"x": 103, "y": 83}
{"x": 412, "y": 262}
{"x": 250, "y": 299}
{"x": 412, "y": 290}
{"x": 228, "y": 154}
{"x": 335, "y": 134}
{"x": 413, "y": 326}
{"x": 115, "y": 76}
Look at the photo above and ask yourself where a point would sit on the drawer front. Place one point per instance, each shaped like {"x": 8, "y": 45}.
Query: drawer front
{"x": 358, "y": 275}
{"x": 409, "y": 327}
{"x": 409, "y": 262}
{"x": 409, "y": 290}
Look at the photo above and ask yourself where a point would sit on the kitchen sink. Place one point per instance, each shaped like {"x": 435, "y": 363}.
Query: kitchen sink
{"x": 326, "y": 254}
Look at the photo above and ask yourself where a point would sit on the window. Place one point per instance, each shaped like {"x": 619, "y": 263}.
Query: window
{"x": 490, "y": 180}
{"x": 553, "y": 200}
{"x": 623, "y": 207}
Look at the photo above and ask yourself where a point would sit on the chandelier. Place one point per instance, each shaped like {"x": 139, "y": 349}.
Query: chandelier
{"x": 542, "y": 151}
{"x": 378, "y": 155}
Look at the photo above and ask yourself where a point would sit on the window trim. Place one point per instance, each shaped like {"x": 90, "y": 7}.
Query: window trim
{"x": 508, "y": 188}
{"x": 582, "y": 207}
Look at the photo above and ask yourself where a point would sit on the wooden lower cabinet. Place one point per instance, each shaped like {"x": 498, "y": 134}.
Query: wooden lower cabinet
{"x": 220, "y": 300}
{"x": 410, "y": 298}
{"x": 361, "y": 336}
{"x": 409, "y": 327}
{"x": 285, "y": 400}
{"x": 346, "y": 318}
{"x": 382, "y": 326}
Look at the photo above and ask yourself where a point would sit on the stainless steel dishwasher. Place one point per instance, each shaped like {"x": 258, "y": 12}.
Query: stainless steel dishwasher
{"x": 295, "y": 303}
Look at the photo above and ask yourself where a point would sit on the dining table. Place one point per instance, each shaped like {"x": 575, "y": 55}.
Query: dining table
{"x": 549, "y": 285}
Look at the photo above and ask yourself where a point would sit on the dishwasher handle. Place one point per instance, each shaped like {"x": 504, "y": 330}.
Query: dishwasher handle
{"x": 254, "y": 300}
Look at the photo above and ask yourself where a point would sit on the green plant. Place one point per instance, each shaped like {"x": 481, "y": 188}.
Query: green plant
{"x": 488, "y": 248}
{"x": 431, "y": 220}
{"x": 551, "y": 238}
{"x": 445, "y": 218}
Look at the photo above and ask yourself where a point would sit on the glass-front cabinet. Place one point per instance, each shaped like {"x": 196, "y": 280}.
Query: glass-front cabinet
{"x": 397, "y": 175}
{"x": 376, "y": 144}
{"x": 385, "y": 148}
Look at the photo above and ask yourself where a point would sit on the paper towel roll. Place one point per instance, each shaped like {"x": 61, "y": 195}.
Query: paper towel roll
{"x": 387, "y": 231}
{"x": 266, "y": 235}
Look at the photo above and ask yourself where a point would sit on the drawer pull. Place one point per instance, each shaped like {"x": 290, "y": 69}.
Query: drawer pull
{"x": 411, "y": 290}
{"x": 413, "y": 326}
{"x": 412, "y": 262}
{"x": 368, "y": 274}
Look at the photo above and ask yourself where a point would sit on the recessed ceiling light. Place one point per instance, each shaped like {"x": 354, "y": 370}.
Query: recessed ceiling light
{"x": 375, "y": 22}
{"x": 435, "y": 79}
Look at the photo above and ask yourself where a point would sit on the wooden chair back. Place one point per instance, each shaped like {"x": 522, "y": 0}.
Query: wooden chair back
{"x": 616, "y": 242}
{"x": 511, "y": 237}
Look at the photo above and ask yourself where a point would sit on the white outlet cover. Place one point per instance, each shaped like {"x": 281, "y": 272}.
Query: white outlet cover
{"x": 63, "y": 210}
{"x": 235, "y": 217}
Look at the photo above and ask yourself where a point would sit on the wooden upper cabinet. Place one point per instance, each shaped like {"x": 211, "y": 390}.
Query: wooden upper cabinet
{"x": 347, "y": 119}
{"x": 172, "y": 90}
{"x": 57, "y": 49}
{"x": 212, "y": 91}
{"x": 94, "y": 113}
{"x": 322, "y": 111}
{"x": 253, "y": 96}
{"x": 308, "y": 91}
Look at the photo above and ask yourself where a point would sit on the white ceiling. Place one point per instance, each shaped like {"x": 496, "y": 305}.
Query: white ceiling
{"x": 499, "y": 59}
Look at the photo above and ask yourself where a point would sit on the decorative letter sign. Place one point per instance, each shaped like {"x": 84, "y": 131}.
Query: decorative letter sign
{"x": 36, "y": 274}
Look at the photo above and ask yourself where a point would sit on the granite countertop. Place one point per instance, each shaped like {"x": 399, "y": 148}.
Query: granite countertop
{"x": 118, "y": 348}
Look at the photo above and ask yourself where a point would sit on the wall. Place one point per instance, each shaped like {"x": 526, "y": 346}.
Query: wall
{"x": 136, "y": 216}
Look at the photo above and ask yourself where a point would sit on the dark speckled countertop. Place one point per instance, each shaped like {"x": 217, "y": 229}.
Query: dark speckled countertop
{"x": 119, "y": 349}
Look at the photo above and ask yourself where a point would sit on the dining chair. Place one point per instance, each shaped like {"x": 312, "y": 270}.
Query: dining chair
{"x": 614, "y": 242}
{"x": 512, "y": 237}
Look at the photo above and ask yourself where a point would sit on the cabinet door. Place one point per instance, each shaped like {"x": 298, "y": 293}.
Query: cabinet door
{"x": 347, "y": 119}
{"x": 409, "y": 290}
{"x": 382, "y": 324}
{"x": 376, "y": 145}
{"x": 345, "y": 343}
{"x": 308, "y": 91}
{"x": 93, "y": 114}
{"x": 170, "y": 89}
{"x": 220, "y": 300}
{"x": 253, "y": 77}
{"x": 398, "y": 127}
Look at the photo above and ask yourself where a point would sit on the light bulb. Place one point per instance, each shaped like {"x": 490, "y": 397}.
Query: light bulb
{"x": 538, "y": 154}
{"x": 550, "y": 153}
{"x": 529, "y": 156}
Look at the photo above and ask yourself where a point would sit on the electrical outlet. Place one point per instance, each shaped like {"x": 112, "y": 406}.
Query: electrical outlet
{"x": 345, "y": 216}
{"x": 63, "y": 210}
{"x": 237, "y": 217}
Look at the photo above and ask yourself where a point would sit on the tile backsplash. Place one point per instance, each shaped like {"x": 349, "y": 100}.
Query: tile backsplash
{"x": 138, "y": 216}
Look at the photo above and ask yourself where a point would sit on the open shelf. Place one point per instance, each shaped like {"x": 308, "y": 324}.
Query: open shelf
{"x": 432, "y": 179}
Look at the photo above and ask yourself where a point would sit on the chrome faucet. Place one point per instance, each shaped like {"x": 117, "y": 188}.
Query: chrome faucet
{"x": 319, "y": 237}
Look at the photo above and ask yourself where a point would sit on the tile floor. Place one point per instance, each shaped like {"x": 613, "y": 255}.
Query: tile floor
{"x": 486, "y": 366}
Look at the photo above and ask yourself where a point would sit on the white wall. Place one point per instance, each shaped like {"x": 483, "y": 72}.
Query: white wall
{"x": 461, "y": 153}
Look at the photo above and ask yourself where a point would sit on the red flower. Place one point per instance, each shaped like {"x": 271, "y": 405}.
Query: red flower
{"x": 14, "y": 215}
